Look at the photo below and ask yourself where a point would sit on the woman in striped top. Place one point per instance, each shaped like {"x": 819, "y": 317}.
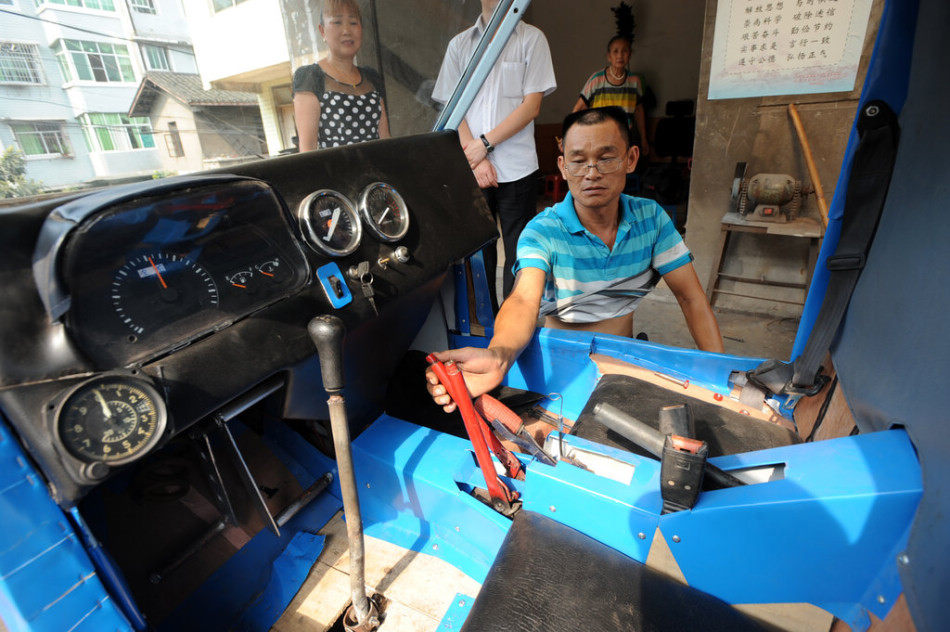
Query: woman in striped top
{"x": 615, "y": 85}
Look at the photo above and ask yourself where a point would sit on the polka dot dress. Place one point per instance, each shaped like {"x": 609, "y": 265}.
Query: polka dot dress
{"x": 349, "y": 118}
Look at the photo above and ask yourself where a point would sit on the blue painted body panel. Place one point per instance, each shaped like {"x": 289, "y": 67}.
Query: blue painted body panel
{"x": 47, "y": 581}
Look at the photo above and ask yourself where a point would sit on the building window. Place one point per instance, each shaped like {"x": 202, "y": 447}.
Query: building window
{"x": 220, "y": 5}
{"x": 19, "y": 63}
{"x": 41, "y": 138}
{"x": 8, "y": 3}
{"x": 102, "y": 5}
{"x": 111, "y": 131}
{"x": 156, "y": 57}
{"x": 173, "y": 141}
{"x": 94, "y": 61}
{"x": 143, "y": 6}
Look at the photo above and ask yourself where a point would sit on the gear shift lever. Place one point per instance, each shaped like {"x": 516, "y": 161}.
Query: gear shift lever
{"x": 327, "y": 332}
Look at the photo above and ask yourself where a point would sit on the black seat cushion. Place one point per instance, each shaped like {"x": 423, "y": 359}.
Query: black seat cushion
{"x": 725, "y": 431}
{"x": 548, "y": 577}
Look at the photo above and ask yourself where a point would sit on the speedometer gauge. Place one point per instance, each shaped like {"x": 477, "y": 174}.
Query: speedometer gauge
{"x": 329, "y": 223}
{"x": 111, "y": 419}
{"x": 159, "y": 288}
{"x": 384, "y": 212}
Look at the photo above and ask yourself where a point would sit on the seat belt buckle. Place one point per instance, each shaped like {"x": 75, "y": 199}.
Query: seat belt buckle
{"x": 681, "y": 472}
{"x": 808, "y": 390}
{"x": 851, "y": 261}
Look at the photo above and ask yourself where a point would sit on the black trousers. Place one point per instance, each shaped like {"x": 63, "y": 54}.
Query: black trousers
{"x": 514, "y": 203}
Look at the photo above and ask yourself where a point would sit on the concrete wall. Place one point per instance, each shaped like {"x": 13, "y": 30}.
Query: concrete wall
{"x": 166, "y": 24}
{"x": 167, "y": 110}
{"x": 238, "y": 40}
{"x": 758, "y": 130}
{"x": 110, "y": 164}
{"x": 669, "y": 37}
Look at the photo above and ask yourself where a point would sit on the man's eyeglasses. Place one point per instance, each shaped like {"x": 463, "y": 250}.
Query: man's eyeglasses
{"x": 604, "y": 166}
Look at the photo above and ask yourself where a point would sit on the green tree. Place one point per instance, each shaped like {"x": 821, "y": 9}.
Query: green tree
{"x": 13, "y": 180}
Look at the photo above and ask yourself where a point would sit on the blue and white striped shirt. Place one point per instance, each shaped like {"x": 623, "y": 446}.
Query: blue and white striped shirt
{"x": 589, "y": 282}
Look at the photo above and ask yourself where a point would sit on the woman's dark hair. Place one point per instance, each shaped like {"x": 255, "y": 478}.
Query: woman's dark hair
{"x": 626, "y": 25}
{"x": 594, "y": 116}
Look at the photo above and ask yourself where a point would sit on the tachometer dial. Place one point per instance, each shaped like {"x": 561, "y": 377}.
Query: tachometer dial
{"x": 384, "y": 212}
{"x": 329, "y": 223}
{"x": 112, "y": 419}
{"x": 159, "y": 288}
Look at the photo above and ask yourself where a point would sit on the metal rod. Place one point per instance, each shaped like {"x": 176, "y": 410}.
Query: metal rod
{"x": 305, "y": 499}
{"x": 651, "y": 440}
{"x": 495, "y": 37}
{"x": 351, "y": 503}
{"x": 248, "y": 479}
{"x": 193, "y": 548}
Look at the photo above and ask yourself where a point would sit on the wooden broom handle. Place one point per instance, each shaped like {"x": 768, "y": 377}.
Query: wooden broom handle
{"x": 810, "y": 163}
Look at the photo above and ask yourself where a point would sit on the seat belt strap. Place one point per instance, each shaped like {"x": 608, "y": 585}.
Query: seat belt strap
{"x": 871, "y": 170}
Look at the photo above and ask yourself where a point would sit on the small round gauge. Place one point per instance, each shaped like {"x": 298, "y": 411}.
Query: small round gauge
{"x": 158, "y": 288}
{"x": 111, "y": 419}
{"x": 329, "y": 223}
{"x": 384, "y": 212}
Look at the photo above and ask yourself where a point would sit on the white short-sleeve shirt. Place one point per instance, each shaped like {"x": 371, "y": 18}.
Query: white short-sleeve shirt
{"x": 524, "y": 67}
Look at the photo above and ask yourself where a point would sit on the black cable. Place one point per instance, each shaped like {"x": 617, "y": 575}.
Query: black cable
{"x": 821, "y": 411}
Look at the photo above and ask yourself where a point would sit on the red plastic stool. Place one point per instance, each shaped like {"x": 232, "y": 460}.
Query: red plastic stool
{"x": 555, "y": 187}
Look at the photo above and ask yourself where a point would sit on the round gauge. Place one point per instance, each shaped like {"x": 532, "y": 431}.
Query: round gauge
{"x": 158, "y": 288}
{"x": 329, "y": 223}
{"x": 384, "y": 212}
{"x": 112, "y": 419}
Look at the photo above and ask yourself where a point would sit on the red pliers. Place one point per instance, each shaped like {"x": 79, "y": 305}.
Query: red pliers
{"x": 480, "y": 435}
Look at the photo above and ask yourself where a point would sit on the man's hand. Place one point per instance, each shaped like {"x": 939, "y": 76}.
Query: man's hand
{"x": 485, "y": 174}
{"x": 483, "y": 370}
{"x": 475, "y": 152}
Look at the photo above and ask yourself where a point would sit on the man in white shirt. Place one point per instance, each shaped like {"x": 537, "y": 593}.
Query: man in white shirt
{"x": 498, "y": 131}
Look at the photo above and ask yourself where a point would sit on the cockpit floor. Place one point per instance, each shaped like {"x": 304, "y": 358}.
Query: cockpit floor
{"x": 418, "y": 588}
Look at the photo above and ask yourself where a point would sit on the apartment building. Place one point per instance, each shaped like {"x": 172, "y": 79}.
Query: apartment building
{"x": 69, "y": 70}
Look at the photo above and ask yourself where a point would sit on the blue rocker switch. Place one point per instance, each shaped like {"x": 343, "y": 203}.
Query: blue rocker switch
{"x": 331, "y": 279}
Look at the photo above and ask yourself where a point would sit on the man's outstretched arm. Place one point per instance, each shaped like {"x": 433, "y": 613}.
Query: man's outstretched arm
{"x": 699, "y": 315}
{"x": 484, "y": 369}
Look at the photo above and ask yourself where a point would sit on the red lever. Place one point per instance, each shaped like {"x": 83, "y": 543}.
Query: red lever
{"x": 451, "y": 378}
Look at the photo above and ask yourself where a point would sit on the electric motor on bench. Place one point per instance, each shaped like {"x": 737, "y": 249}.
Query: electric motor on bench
{"x": 766, "y": 197}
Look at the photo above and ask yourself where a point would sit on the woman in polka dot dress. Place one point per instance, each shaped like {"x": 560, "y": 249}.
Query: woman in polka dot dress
{"x": 336, "y": 102}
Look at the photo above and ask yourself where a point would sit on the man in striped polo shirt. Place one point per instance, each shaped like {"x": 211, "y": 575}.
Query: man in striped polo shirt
{"x": 586, "y": 262}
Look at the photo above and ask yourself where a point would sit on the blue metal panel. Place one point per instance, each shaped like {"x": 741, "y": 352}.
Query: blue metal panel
{"x": 483, "y": 306}
{"x": 461, "y": 300}
{"x": 608, "y": 511}
{"x": 825, "y": 533}
{"x": 409, "y": 495}
{"x": 457, "y": 613}
{"x": 47, "y": 581}
{"x": 557, "y": 361}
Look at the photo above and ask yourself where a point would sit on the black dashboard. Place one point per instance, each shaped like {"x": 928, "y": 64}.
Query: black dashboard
{"x": 131, "y": 313}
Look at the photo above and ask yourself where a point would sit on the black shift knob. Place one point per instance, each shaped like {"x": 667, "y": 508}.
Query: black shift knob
{"x": 327, "y": 332}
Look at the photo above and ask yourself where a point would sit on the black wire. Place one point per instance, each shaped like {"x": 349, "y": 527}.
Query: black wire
{"x": 93, "y": 32}
{"x": 821, "y": 411}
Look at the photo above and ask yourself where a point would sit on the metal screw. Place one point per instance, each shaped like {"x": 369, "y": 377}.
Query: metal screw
{"x": 642, "y": 535}
{"x": 676, "y": 538}
{"x": 688, "y": 487}
{"x": 903, "y": 559}
{"x": 367, "y": 485}
{"x": 461, "y": 603}
{"x": 552, "y": 508}
{"x": 881, "y": 599}
{"x": 435, "y": 547}
{"x": 457, "y": 529}
{"x": 671, "y": 483}
{"x": 872, "y": 110}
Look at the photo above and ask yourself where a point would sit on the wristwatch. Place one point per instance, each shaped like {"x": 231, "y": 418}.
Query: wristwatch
{"x": 488, "y": 146}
